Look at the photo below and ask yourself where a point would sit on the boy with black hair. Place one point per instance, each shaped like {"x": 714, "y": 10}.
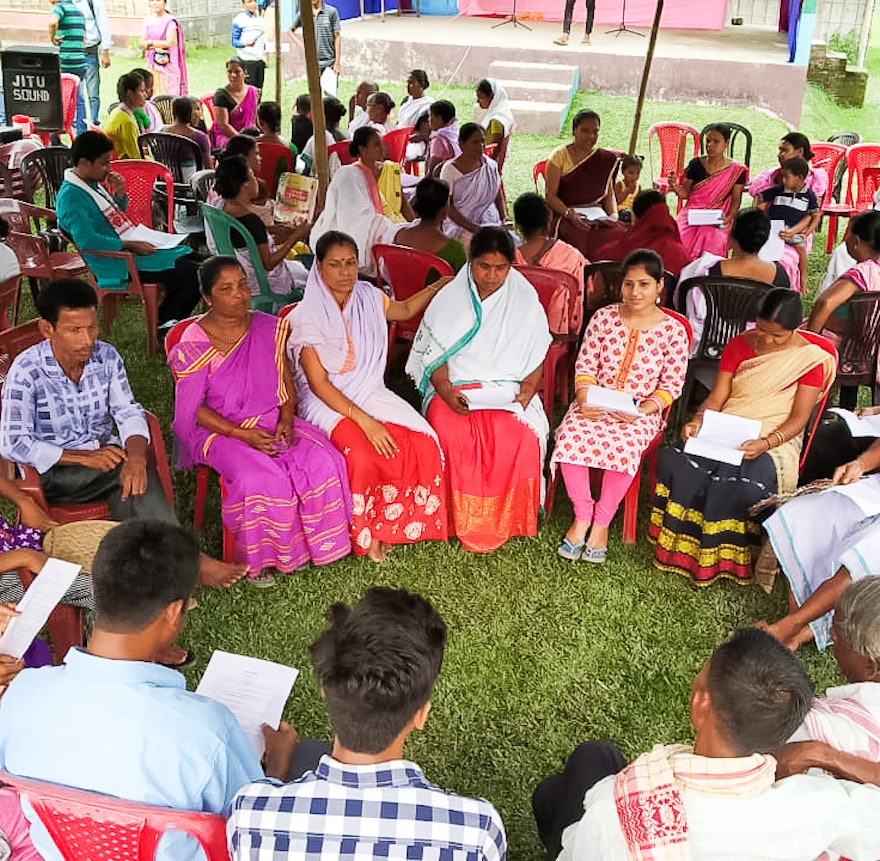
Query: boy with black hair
{"x": 376, "y": 664}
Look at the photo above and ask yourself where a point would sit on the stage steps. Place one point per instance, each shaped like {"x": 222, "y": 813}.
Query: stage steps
{"x": 540, "y": 93}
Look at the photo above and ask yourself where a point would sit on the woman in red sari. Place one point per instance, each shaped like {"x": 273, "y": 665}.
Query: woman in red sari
{"x": 580, "y": 183}
{"x": 712, "y": 181}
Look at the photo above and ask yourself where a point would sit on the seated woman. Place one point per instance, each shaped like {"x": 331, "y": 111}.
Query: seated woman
{"x": 580, "y": 176}
{"x": 287, "y": 500}
{"x": 127, "y": 121}
{"x": 411, "y": 110}
{"x": 483, "y": 340}
{"x": 443, "y": 143}
{"x": 338, "y": 347}
{"x": 334, "y": 111}
{"x": 531, "y": 215}
{"x": 823, "y": 542}
{"x": 269, "y": 124}
{"x": 700, "y": 521}
{"x": 635, "y": 348}
{"x": 474, "y": 187}
{"x": 750, "y": 230}
{"x": 247, "y": 147}
{"x": 376, "y": 116}
{"x": 712, "y": 181}
{"x": 236, "y": 184}
{"x": 235, "y": 105}
{"x": 654, "y": 228}
{"x": 182, "y": 108}
{"x": 498, "y": 120}
{"x": 354, "y": 203}
{"x": 430, "y": 204}
{"x": 152, "y": 112}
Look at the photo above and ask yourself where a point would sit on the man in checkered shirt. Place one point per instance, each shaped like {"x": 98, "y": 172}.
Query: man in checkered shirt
{"x": 376, "y": 663}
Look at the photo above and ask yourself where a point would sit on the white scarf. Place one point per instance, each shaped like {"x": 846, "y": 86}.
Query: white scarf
{"x": 119, "y": 221}
{"x": 499, "y": 108}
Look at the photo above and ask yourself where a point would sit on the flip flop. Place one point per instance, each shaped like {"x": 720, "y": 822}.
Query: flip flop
{"x": 187, "y": 659}
{"x": 595, "y": 555}
{"x": 567, "y": 550}
{"x": 262, "y": 581}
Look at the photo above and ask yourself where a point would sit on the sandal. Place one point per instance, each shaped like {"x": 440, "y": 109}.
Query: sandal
{"x": 562, "y": 40}
{"x": 567, "y": 550}
{"x": 595, "y": 554}
{"x": 264, "y": 580}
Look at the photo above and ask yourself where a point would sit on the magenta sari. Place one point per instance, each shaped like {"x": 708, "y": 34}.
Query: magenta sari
{"x": 712, "y": 193}
{"x": 173, "y": 73}
{"x": 284, "y": 510}
{"x": 244, "y": 114}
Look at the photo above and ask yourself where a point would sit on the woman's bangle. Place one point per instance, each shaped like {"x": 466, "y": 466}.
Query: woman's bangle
{"x": 566, "y": 213}
{"x": 778, "y": 435}
{"x": 350, "y": 408}
{"x": 767, "y": 440}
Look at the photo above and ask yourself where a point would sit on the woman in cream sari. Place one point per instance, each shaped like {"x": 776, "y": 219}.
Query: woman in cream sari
{"x": 700, "y": 520}
{"x": 580, "y": 175}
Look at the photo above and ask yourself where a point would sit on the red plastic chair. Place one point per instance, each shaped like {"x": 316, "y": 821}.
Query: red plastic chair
{"x": 341, "y": 150}
{"x": 102, "y": 828}
{"x": 539, "y": 169}
{"x": 813, "y": 424}
{"x": 395, "y": 143}
{"x": 172, "y": 339}
{"x": 826, "y": 157}
{"x": 560, "y": 356}
{"x": 674, "y": 146}
{"x": 69, "y": 88}
{"x": 10, "y": 294}
{"x": 141, "y": 177}
{"x": 631, "y": 500}
{"x": 275, "y": 159}
{"x": 207, "y": 100}
{"x": 405, "y": 271}
{"x": 859, "y": 192}
{"x": 38, "y": 263}
{"x": 287, "y": 309}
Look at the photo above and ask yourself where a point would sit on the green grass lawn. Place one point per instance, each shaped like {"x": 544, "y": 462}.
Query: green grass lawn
{"x": 543, "y": 653}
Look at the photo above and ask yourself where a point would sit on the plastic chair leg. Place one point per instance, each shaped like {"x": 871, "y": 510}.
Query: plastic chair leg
{"x": 832, "y": 234}
{"x": 110, "y": 307}
{"x": 151, "y": 316}
{"x": 548, "y": 497}
{"x": 201, "y": 496}
{"x": 631, "y": 509}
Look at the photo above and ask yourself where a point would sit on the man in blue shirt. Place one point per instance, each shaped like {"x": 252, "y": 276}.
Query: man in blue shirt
{"x": 376, "y": 664}
{"x": 112, "y": 721}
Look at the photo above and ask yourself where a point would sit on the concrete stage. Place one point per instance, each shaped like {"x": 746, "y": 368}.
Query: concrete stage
{"x": 734, "y": 66}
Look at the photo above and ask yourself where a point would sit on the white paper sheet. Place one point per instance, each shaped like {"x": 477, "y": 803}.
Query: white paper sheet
{"x": 705, "y": 217}
{"x": 142, "y": 233}
{"x": 773, "y": 249}
{"x": 39, "y": 601}
{"x": 254, "y": 690}
{"x": 721, "y": 436}
{"x": 498, "y": 397}
{"x": 866, "y": 426}
{"x": 611, "y": 401}
{"x": 865, "y": 494}
{"x": 592, "y": 213}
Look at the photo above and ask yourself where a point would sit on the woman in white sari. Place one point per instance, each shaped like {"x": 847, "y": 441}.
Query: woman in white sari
{"x": 498, "y": 121}
{"x": 477, "y": 360}
{"x": 354, "y": 203}
{"x": 475, "y": 198}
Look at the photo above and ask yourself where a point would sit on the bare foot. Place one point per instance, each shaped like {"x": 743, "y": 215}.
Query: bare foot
{"x": 220, "y": 575}
{"x": 378, "y": 552}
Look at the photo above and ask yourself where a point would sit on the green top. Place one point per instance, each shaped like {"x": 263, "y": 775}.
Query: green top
{"x": 72, "y": 33}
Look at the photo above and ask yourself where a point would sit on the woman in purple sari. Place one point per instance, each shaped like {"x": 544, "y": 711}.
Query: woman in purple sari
{"x": 287, "y": 499}
{"x": 580, "y": 188}
{"x": 443, "y": 143}
{"x": 164, "y": 50}
{"x": 235, "y": 105}
{"x": 712, "y": 181}
{"x": 475, "y": 198}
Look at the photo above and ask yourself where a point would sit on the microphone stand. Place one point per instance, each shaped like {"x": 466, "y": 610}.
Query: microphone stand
{"x": 511, "y": 19}
{"x": 617, "y": 30}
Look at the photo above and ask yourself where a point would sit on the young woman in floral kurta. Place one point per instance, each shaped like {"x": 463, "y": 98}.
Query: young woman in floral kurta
{"x": 636, "y": 348}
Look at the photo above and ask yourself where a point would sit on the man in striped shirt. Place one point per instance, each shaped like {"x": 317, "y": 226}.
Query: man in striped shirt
{"x": 376, "y": 664}
{"x": 327, "y": 35}
{"x": 67, "y": 30}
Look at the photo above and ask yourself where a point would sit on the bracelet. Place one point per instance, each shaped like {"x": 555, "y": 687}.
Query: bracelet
{"x": 566, "y": 213}
{"x": 766, "y": 439}
{"x": 350, "y": 408}
{"x": 779, "y": 436}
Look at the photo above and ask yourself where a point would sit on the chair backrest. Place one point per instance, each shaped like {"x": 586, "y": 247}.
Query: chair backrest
{"x": 275, "y": 159}
{"x": 102, "y": 828}
{"x": 845, "y": 138}
{"x": 202, "y": 182}
{"x": 31, "y": 252}
{"x": 828, "y": 157}
{"x": 141, "y": 178}
{"x": 10, "y": 294}
{"x": 736, "y": 131}
{"x": 858, "y": 158}
{"x": 222, "y": 226}
{"x": 604, "y": 280}
{"x": 560, "y": 296}
{"x": 176, "y": 152}
{"x": 163, "y": 105}
{"x": 18, "y": 338}
{"x": 539, "y": 169}
{"x": 69, "y": 89}
{"x": 858, "y": 347}
{"x": 44, "y": 168}
{"x": 24, "y": 217}
{"x": 341, "y": 150}
{"x": 819, "y": 409}
{"x": 207, "y": 100}
{"x": 406, "y": 270}
{"x": 679, "y": 143}
{"x": 283, "y": 312}
{"x": 731, "y": 303}
{"x": 175, "y": 333}
{"x": 501, "y": 155}
{"x": 395, "y": 143}
{"x": 684, "y": 322}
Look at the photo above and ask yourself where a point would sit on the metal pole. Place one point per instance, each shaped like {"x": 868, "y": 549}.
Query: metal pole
{"x": 646, "y": 71}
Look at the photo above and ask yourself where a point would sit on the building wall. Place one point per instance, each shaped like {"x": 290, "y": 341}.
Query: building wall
{"x": 833, "y": 16}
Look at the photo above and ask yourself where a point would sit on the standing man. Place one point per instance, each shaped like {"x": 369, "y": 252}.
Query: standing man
{"x": 249, "y": 36}
{"x": 97, "y": 46}
{"x": 67, "y": 30}
{"x": 327, "y": 35}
